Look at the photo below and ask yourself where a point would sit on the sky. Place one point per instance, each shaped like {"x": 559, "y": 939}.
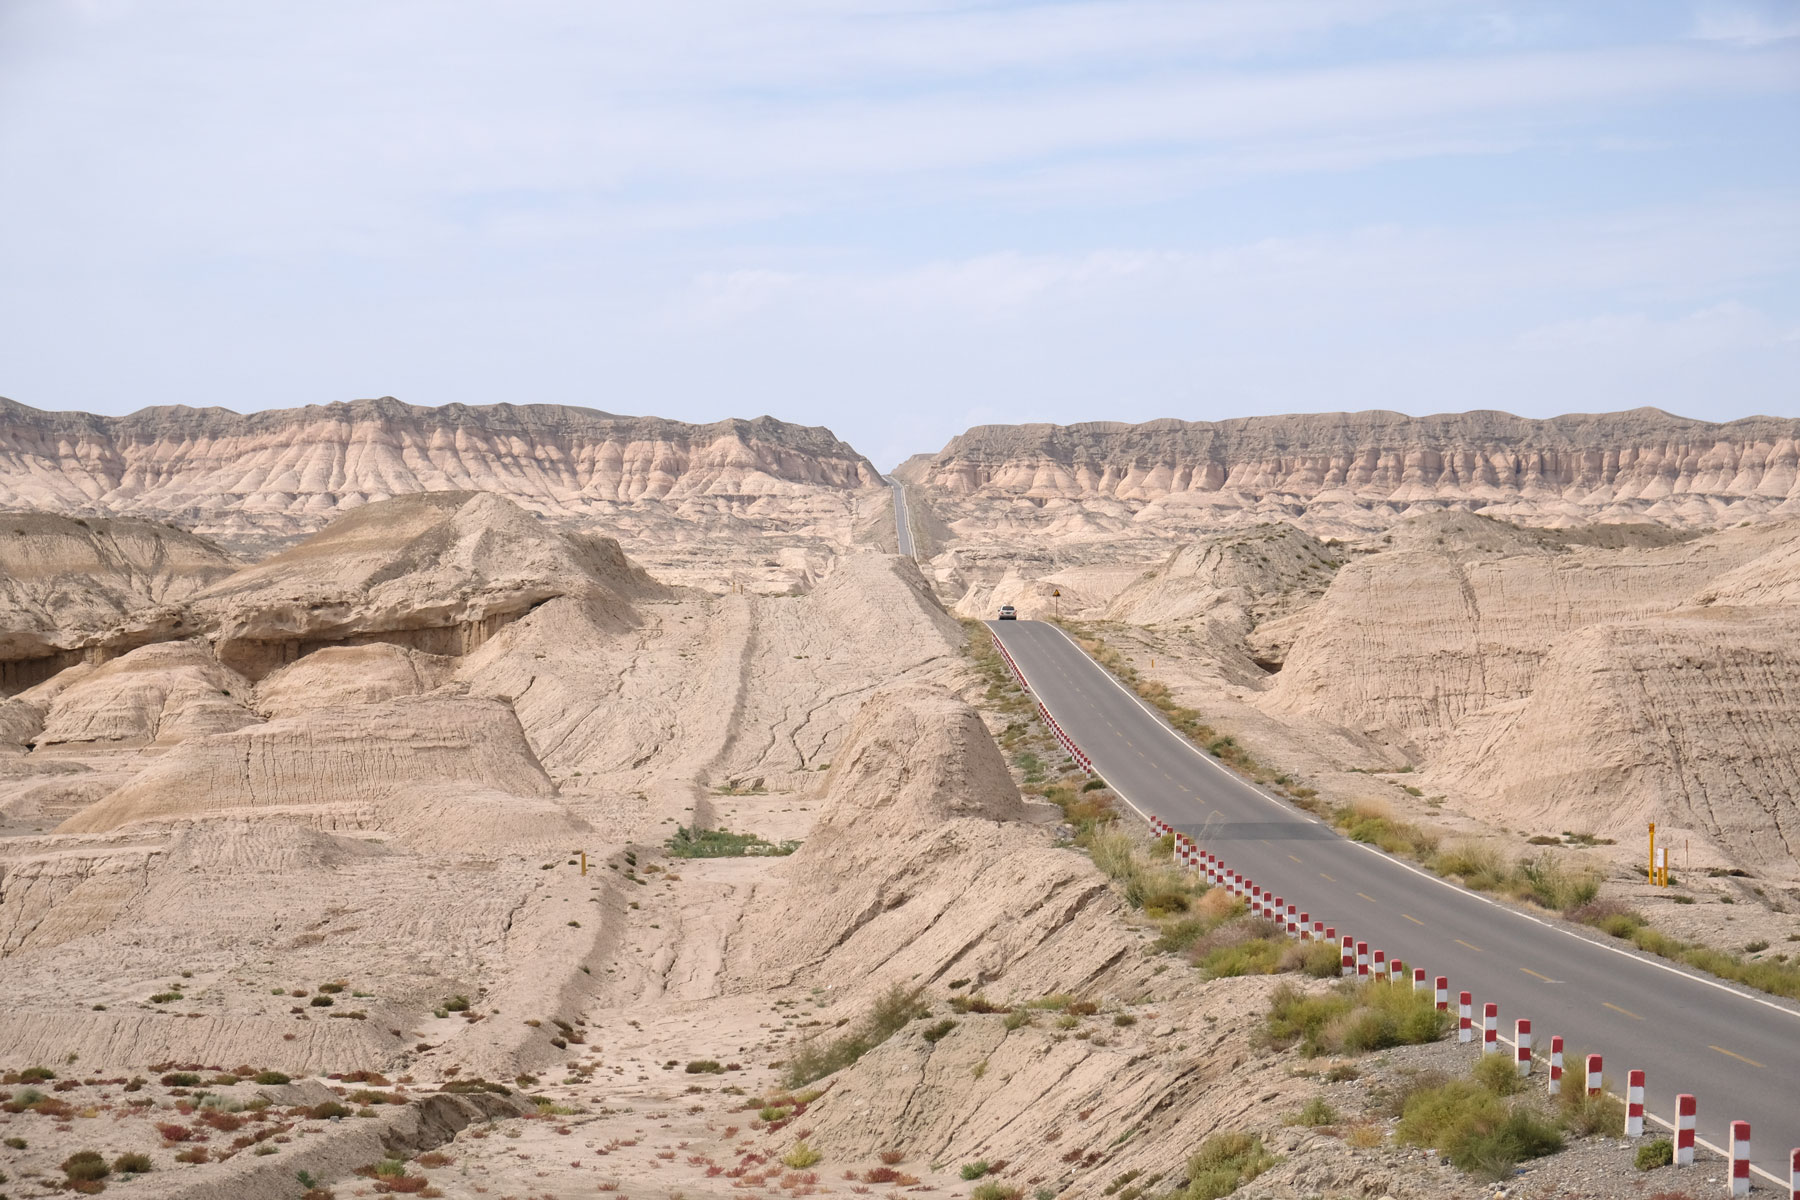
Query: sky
{"x": 902, "y": 219}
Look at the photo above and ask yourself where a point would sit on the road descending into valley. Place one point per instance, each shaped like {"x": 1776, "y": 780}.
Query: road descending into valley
{"x": 1736, "y": 1050}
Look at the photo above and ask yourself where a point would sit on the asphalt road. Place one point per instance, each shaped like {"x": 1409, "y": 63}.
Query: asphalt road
{"x": 903, "y": 521}
{"x": 1737, "y": 1051}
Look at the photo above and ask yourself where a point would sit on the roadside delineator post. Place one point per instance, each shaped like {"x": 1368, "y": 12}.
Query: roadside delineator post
{"x": 1687, "y": 1111}
{"x": 1740, "y": 1158}
{"x": 1396, "y": 971}
{"x": 1465, "y": 1017}
{"x": 1309, "y": 931}
{"x": 1362, "y": 960}
{"x": 1348, "y": 957}
{"x": 1593, "y": 1075}
{"x": 1419, "y": 984}
{"x": 1794, "y": 1174}
{"x": 1293, "y": 921}
{"x": 1442, "y": 986}
{"x": 1556, "y": 1066}
{"x": 1634, "y": 1104}
{"x": 1522, "y": 1045}
{"x": 1380, "y": 964}
{"x": 1490, "y": 1028}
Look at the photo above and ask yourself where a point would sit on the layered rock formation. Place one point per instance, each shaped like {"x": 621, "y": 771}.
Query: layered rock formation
{"x": 267, "y": 477}
{"x": 74, "y": 589}
{"x": 1571, "y": 687}
{"x": 1343, "y": 472}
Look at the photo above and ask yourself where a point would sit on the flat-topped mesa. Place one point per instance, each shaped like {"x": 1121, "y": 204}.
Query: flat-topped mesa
{"x": 283, "y": 473}
{"x": 1644, "y": 462}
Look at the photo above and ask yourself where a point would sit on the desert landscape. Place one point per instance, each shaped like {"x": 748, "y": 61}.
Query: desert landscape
{"x": 526, "y": 801}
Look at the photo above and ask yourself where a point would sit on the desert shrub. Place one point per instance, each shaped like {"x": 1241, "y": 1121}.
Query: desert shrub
{"x": 270, "y": 1077}
{"x": 1499, "y": 1074}
{"x": 1353, "y": 1018}
{"x": 1373, "y": 822}
{"x": 36, "y": 1075}
{"x": 1544, "y": 880}
{"x": 801, "y": 1156}
{"x": 976, "y": 1003}
{"x": 1477, "y": 865}
{"x": 1652, "y": 1155}
{"x": 165, "y": 997}
{"x": 939, "y": 1031}
{"x": 722, "y": 843}
{"x": 1315, "y": 1112}
{"x": 180, "y": 1079}
{"x": 817, "y": 1058}
{"x": 1224, "y": 1163}
{"x": 704, "y": 1066}
{"x": 1018, "y": 1018}
{"x": 84, "y": 1166}
{"x": 1584, "y": 1115}
{"x": 993, "y": 1189}
{"x": 1475, "y": 1129}
{"x": 1321, "y": 960}
{"x": 322, "y": 1002}
{"x": 326, "y": 1110}
{"x": 133, "y": 1164}
{"x": 1124, "y": 1020}
{"x": 1252, "y": 956}
{"x": 194, "y": 1154}
{"x": 171, "y": 1132}
{"x": 1610, "y": 917}
{"x": 975, "y": 1170}
{"x": 456, "y": 1004}
{"x": 15, "y": 1143}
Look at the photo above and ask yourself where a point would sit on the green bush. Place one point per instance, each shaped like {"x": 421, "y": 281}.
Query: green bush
{"x": 704, "y": 1066}
{"x": 1499, "y": 1074}
{"x": 722, "y": 843}
{"x": 1316, "y": 1111}
{"x": 269, "y": 1077}
{"x": 1224, "y": 1163}
{"x": 186, "y": 1079}
{"x": 1544, "y": 880}
{"x": 801, "y": 1156}
{"x": 133, "y": 1164}
{"x": 1255, "y": 956}
{"x": 939, "y": 1031}
{"x": 818, "y": 1058}
{"x": 993, "y": 1189}
{"x": 975, "y": 1170}
{"x": 1583, "y": 1115}
{"x": 1652, "y": 1155}
{"x": 1475, "y": 1129}
{"x": 85, "y": 1166}
{"x": 1353, "y": 1018}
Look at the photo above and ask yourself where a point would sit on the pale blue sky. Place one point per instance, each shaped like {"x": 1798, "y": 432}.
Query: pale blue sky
{"x": 900, "y": 219}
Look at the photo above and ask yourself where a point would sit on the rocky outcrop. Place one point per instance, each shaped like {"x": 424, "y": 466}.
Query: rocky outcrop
{"x": 439, "y": 572}
{"x": 271, "y": 476}
{"x": 74, "y": 590}
{"x": 921, "y": 864}
{"x": 1361, "y": 470}
{"x": 357, "y": 761}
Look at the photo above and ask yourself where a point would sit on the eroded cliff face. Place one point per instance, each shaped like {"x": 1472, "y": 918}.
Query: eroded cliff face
{"x": 1349, "y": 472}
{"x": 259, "y": 479}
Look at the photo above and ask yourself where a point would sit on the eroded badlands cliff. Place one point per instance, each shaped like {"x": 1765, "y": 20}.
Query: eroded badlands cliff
{"x": 266, "y": 478}
{"x": 1347, "y": 472}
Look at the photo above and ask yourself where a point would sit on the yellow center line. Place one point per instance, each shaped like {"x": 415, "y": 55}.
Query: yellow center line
{"x": 1370, "y": 899}
{"x": 1295, "y": 859}
{"x": 1535, "y": 975}
{"x": 1623, "y": 1011}
{"x": 1323, "y": 875}
{"x": 1729, "y": 1054}
{"x": 1412, "y": 918}
{"x": 1476, "y": 949}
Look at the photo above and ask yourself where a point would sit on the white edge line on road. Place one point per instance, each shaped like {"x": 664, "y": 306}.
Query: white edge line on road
{"x": 1698, "y": 1140}
{"x": 1658, "y": 963}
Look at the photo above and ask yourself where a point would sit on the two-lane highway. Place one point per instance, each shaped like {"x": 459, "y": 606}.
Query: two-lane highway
{"x": 1737, "y": 1051}
{"x": 903, "y": 521}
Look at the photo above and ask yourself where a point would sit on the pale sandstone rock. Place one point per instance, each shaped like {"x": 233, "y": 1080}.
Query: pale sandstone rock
{"x": 272, "y": 476}
{"x": 354, "y": 759}
{"x": 334, "y": 676}
{"x": 159, "y": 694}
{"x": 1335, "y": 473}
